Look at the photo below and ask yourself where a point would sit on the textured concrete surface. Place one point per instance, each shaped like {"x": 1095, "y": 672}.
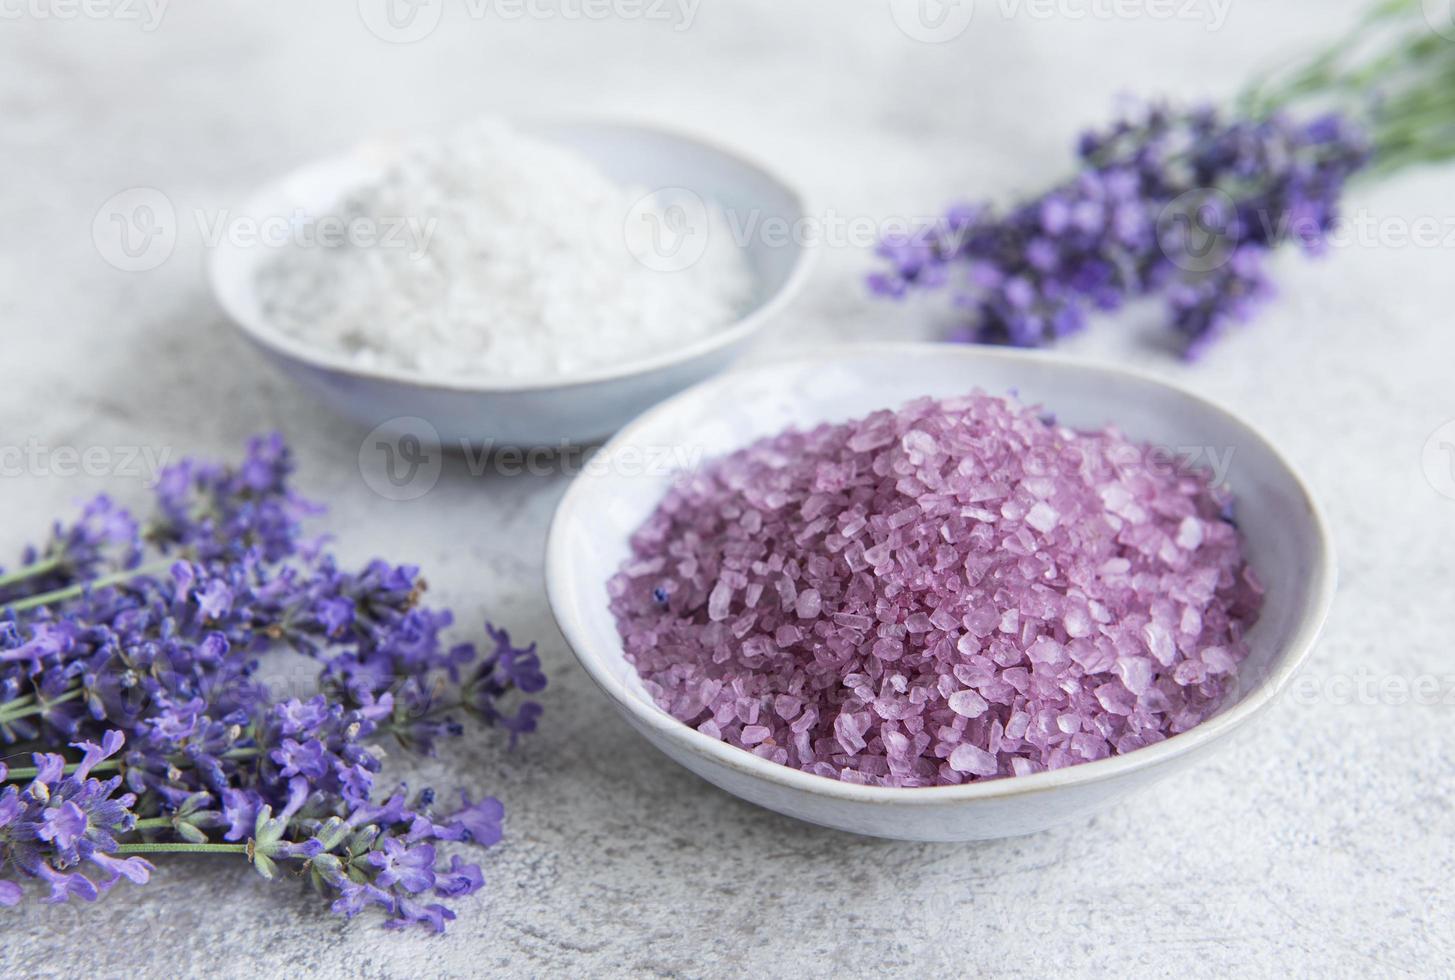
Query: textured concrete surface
{"x": 1322, "y": 843}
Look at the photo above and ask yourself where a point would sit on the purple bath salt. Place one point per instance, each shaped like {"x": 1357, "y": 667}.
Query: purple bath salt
{"x": 959, "y": 590}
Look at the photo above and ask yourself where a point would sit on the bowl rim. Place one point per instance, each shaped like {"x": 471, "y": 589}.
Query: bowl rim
{"x": 224, "y": 257}
{"x": 1323, "y": 574}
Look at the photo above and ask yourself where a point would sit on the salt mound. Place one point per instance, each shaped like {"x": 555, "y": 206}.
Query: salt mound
{"x": 958, "y": 590}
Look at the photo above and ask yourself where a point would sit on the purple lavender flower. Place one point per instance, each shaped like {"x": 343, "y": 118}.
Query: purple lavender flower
{"x": 412, "y": 868}
{"x": 1183, "y": 204}
{"x": 306, "y": 758}
{"x": 165, "y": 663}
{"x": 481, "y": 822}
{"x": 354, "y": 897}
{"x": 215, "y": 601}
{"x": 295, "y": 717}
{"x": 434, "y": 916}
{"x": 462, "y": 878}
{"x": 104, "y": 535}
{"x": 59, "y": 821}
{"x": 520, "y": 665}
{"x": 63, "y": 825}
{"x": 220, "y": 512}
{"x": 240, "y": 812}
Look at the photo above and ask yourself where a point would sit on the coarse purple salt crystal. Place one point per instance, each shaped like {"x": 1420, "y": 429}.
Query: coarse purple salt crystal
{"x": 892, "y": 709}
{"x": 1021, "y": 766}
{"x": 973, "y": 759}
{"x": 1135, "y": 673}
{"x": 952, "y": 592}
{"x": 1159, "y": 642}
{"x": 871, "y": 434}
{"x": 1076, "y": 620}
{"x": 888, "y": 649}
{"x": 1115, "y": 698}
{"x": 1046, "y": 651}
{"x": 1043, "y": 517}
{"x": 1010, "y": 621}
{"x": 753, "y": 734}
{"x": 1218, "y": 660}
{"x": 1189, "y": 534}
{"x": 944, "y": 620}
{"x": 1190, "y": 672}
{"x": 787, "y": 706}
{"x": 1191, "y": 624}
{"x": 902, "y": 517}
{"x": 718, "y": 601}
{"x": 849, "y": 729}
{"x": 787, "y": 635}
{"x": 918, "y": 445}
{"x": 918, "y": 623}
{"x": 982, "y": 620}
{"x": 968, "y": 703}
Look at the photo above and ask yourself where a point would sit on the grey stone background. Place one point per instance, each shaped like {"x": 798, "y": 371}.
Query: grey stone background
{"x": 1319, "y": 843}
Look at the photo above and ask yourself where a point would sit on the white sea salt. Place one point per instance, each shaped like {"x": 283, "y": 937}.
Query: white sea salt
{"x": 523, "y": 261}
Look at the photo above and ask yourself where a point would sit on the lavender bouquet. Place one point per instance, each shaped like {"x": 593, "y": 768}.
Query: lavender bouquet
{"x": 1186, "y": 204}
{"x": 129, "y": 661}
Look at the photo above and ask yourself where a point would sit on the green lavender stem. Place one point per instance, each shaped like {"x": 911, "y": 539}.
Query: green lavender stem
{"x": 1392, "y": 73}
{"x": 182, "y": 849}
{"x": 30, "y": 571}
{"x": 80, "y": 588}
{"x": 20, "y": 708}
{"x": 114, "y": 765}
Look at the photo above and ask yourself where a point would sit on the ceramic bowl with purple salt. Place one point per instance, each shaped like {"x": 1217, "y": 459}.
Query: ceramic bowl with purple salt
{"x": 938, "y": 593}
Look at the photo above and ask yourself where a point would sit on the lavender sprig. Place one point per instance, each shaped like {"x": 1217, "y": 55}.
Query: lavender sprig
{"x": 1179, "y": 204}
{"x": 61, "y": 825}
{"x": 1187, "y": 204}
{"x": 161, "y": 656}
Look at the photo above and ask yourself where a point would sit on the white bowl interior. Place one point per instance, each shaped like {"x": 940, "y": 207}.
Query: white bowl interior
{"x": 1284, "y": 536}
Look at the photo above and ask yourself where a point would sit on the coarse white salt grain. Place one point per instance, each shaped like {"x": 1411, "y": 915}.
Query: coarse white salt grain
{"x": 507, "y": 256}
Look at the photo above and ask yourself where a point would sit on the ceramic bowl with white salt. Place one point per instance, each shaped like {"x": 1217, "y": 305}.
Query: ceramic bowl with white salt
{"x": 530, "y": 285}
{"x": 1283, "y": 539}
